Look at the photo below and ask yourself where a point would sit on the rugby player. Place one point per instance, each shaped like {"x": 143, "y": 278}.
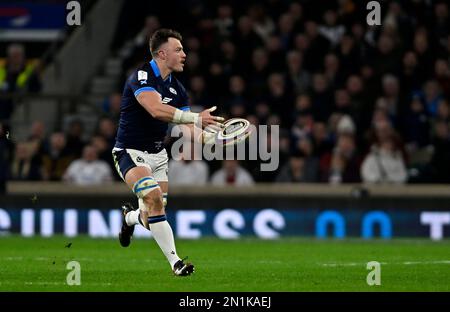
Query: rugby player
{"x": 152, "y": 98}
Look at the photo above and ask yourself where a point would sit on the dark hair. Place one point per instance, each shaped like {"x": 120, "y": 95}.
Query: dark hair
{"x": 160, "y": 37}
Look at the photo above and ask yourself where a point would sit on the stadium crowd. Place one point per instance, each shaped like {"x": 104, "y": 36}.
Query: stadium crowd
{"x": 355, "y": 103}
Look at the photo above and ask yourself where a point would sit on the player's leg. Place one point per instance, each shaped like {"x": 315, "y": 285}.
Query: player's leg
{"x": 159, "y": 226}
{"x": 131, "y": 216}
{"x": 127, "y": 229}
{"x": 140, "y": 180}
{"x": 152, "y": 215}
{"x": 124, "y": 162}
{"x": 180, "y": 267}
{"x": 157, "y": 222}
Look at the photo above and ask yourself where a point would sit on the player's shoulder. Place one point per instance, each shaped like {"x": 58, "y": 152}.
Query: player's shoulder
{"x": 142, "y": 73}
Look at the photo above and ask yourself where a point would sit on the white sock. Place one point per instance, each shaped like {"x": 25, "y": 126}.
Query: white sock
{"x": 132, "y": 218}
{"x": 162, "y": 232}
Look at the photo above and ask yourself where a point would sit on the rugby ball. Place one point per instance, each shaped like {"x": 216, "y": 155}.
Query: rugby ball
{"x": 234, "y": 131}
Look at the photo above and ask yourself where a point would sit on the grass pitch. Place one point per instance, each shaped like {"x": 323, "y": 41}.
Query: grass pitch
{"x": 290, "y": 264}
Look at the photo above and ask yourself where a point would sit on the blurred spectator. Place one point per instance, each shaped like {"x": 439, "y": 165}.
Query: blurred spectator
{"x": 332, "y": 70}
{"x": 330, "y": 29}
{"x": 277, "y": 54}
{"x": 361, "y": 106}
{"x": 321, "y": 98}
{"x": 432, "y": 96}
{"x": 262, "y": 112}
{"x": 6, "y": 155}
{"x": 345, "y": 125}
{"x": 440, "y": 163}
{"x": 237, "y": 110}
{"x": 237, "y": 91}
{"x": 302, "y": 103}
{"x": 279, "y": 97}
{"x": 88, "y": 170}
{"x": 390, "y": 101}
{"x": 306, "y": 149}
{"x": 345, "y": 161}
{"x": 424, "y": 53}
{"x": 246, "y": 40}
{"x": 284, "y": 146}
{"x": 111, "y": 106}
{"x": 416, "y": 125}
{"x": 387, "y": 57}
{"x": 258, "y": 73}
{"x": 24, "y": 166}
{"x": 224, "y": 21}
{"x": 298, "y": 77}
{"x": 263, "y": 25}
{"x": 410, "y": 79}
{"x": 443, "y": 111}
{"x": 385, "y": 162}
{"x": 199, "y": 95}
{"x": 321, "y": 140}
{"x": 228, "y": 57}
{"x": 107, "y": 129}
{"x": 441, "y": 22}
{"x": 348, "y": 54}
{"x": 104, "y": 152}
{"x": 286, "y": 24}
{"x": 192, "y": 64}
{"x": 317, "y": 47}
{"x": 303, "y": 125}
{"x": 37, "y": 139}
{"x": 342, "y": 102}
{"x": 75, "y": 144}
{"x": 16, "y": 75}
{"x": 442, "y": 73}
{"x": 231, "y": 174}
{"x": 296, "y": 171}
{"x": 274, "y": 120}
{"x": 190, "y": 170}
{"x": 56, "y": 159}
{"x": 216, "y": 79}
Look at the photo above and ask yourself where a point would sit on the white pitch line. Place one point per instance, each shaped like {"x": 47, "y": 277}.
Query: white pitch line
{"x": 427, "y": 262}
{"x": 386, "y": 263}
{"x": 43, "y": 283}
{"x": 60, "y": 283}
{"x": 77, "y": 259}
{"x": 12, "y": 258}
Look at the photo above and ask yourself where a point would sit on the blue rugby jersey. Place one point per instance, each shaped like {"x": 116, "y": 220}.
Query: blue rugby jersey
{"x": 137, "y": 128}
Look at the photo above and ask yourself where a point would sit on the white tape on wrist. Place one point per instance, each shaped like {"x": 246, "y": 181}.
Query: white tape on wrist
{"x": 181, "y": 117}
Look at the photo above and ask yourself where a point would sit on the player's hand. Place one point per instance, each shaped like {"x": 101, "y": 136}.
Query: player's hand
{"x": 209, "y": 120}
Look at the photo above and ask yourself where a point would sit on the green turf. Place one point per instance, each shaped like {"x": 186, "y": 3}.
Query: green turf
{"x": 292, "y": 264}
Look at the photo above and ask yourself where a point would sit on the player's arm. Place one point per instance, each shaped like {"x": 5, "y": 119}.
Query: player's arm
{"x": 151, "y": 101}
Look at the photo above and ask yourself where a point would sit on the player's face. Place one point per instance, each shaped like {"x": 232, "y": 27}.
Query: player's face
{"x": 174, "y": 55}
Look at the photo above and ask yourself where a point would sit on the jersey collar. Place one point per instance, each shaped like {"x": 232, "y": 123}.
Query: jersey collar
{"x": 157, "y": 72}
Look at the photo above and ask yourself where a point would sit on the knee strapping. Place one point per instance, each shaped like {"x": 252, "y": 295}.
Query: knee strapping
{"x": 144, "y": 186}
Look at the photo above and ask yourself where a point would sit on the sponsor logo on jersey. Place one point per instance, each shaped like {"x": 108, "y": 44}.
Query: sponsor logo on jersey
{"x": 166, "y": 100}
{"x": 142, "y": 75}
{"x": 173, "y": 90}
